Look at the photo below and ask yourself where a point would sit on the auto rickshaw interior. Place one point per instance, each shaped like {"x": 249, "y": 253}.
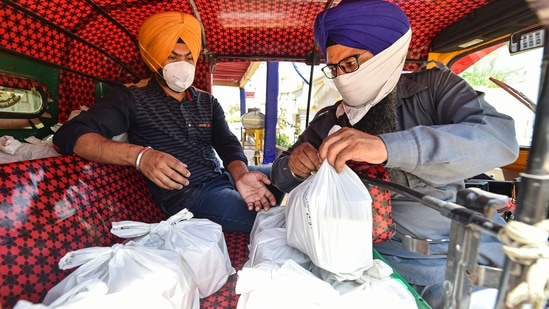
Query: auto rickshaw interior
{"x": 56, "y": 56}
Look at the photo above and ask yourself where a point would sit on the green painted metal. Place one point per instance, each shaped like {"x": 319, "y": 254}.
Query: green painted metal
{"x": 421, "y": 303}
{"x": 46, "y": 75}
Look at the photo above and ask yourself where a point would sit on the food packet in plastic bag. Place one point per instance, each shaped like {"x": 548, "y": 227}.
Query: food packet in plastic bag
{"x": 376, "y": 288}
{"x": 200, "y": 241}
{"x": 270, "y": 245}
{"x": 90, "y": 289}
{"x": 94, "y": 294}
{"x": 272, "y": 218}
{"x": 329, "y": 218}
{"x": 130, "y": 271}
{"x": 268, "y": 285}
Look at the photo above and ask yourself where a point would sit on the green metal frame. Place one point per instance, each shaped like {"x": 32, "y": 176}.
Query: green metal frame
{"x": 421, "y": 303}
{"x": 46, "y": 75}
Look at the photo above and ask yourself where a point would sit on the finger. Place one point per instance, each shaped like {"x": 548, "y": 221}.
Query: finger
{"x": 333, "y": 144}
{"x": 303, "y": 163}
{"x": 327, "y": 143}
{"x": 167, "y": 178}
{"x": 180, "y": 168}
{"x": 313, "y": 160}
{"x": 167, "y": 183}
{"x": 335, "y": 152}
{"x": 325, "y": 151}
{"x": 264, "y": 178}
{"x": 177, "y": 177}
{"x": 299, "y": 169}
{"x": 271, "y": 200}
{"x": 340, "y": 161}
{"x": 170, "y": 178}
{"x": 262, "y": 203}
{"x": 312, "y": 156}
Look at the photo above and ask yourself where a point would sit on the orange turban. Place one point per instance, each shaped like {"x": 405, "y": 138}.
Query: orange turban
{"x": 160, "y": 32}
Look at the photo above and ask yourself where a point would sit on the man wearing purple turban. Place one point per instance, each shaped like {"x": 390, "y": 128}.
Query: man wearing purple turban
{"x": 428, "y": 129}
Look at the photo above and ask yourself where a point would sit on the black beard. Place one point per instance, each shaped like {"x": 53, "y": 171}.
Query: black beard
{"x": 381, "y": 118}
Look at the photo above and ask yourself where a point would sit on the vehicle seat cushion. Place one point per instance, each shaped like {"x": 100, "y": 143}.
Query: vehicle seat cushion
{"x": 51, "y": 206}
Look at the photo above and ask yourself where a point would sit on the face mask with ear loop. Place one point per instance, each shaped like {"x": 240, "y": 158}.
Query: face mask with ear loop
{"x": 178, "y": 75}
{"x": 373, "y": 80}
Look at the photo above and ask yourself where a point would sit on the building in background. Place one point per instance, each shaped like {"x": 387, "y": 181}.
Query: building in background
{"x": 294, "y": 108}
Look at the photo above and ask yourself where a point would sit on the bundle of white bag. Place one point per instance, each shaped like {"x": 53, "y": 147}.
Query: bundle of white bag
{"x": 199, "y": 241}
{"x": 170, "y": 264}
{"x": 316, "y": 252}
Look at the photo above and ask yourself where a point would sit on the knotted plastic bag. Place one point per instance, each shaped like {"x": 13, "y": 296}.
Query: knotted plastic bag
{"x": 268, "y": 285}
{"x": 275, "y": 217}
{"x": 130, "y": 271}
{"x": 329, "y": 218}
{"x": 271, "y": 245}
{"x": 268, "y": 240}
{"x": 376, "y": 288}
{"x": 94, "y": 293}
{"x": 199, "y": 241}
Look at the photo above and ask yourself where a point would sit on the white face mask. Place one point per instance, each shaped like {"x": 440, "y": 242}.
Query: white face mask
{"x": 373, "y": 80}
{"x": 179, "y": 75}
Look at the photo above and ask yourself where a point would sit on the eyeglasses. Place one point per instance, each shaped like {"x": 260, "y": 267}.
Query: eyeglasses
{"x": 347, "y": 65}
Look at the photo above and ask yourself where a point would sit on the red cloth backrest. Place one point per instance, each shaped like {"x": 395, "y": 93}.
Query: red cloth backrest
{"x": 381, "y": 199}
{"x": 51, "y": 206}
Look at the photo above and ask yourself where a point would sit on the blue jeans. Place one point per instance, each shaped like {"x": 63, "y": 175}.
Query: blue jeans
{"x": 219, "y": 201}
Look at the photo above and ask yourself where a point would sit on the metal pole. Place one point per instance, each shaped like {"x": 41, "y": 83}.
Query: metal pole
{"x": 533, "y": 193}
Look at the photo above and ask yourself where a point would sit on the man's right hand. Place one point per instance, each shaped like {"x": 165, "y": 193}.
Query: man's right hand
{"x": 161, "y": 168}
{"x": 304, "y": 160}
{"x": 164, "y": 170}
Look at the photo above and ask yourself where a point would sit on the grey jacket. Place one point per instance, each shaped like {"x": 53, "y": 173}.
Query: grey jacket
{"x": 447, "y": 133}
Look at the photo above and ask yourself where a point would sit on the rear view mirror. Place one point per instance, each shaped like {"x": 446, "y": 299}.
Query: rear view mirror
{"x": 21, "y": 97}
{"x": 527, "y": 39}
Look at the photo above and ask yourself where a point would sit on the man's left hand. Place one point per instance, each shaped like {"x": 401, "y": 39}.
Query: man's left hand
{"x": 252, "y": 188}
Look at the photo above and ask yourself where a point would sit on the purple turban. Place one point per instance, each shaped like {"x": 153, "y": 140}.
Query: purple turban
{"x": 372, "y": 25}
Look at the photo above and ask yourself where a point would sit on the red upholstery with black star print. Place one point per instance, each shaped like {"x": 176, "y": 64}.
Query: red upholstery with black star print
{"x": 51, "y": 206}
{"x": 382, "y": 218}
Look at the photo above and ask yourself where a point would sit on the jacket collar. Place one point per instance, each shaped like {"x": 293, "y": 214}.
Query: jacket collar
{"x": 407, "y": 87}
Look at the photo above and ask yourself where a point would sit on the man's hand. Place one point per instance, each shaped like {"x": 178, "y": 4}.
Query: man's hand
{"x": 304, "y": 160}
{"x": 161, "y": 168}
{"x": 351, "y": 144}
{"x": 252, "y": 188}
{"x": 164, "y": 170}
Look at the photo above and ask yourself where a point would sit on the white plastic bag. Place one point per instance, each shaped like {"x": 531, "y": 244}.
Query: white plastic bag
{"x": 94, "y": 294}
{"x": 90, "y": 289}
{"x": 275, "y": 217}
{"x": 131, "y": 272}
{"x": 270, "y": 245}
{"x": 374, "y": 289}
{"x": 329, "y": 218}
{"x": 199, "y": 241}
{"x": 268, "y": 240}
{"x": 288, "y": 286}
{"x": 8, "y": 144}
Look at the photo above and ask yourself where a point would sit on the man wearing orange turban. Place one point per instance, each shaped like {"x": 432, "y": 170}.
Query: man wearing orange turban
{"x": 176, "y": 133}
{"x": 160, "y": 32}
